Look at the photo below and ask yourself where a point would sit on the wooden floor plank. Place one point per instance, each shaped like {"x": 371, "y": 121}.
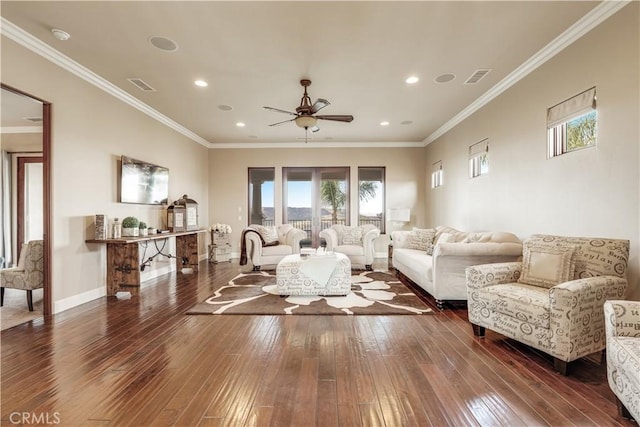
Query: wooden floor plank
{"x": 144, "y": 362}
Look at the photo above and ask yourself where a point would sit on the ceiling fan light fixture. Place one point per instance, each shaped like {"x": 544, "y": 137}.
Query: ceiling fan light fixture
{"x": 305, "y": 121}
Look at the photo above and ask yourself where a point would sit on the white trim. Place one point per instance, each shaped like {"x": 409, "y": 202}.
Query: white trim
{"x": 23, "y": 38}
{"x": 585, "y": 24}
{"x": 21, "y": 129}
{"x": 319, "y": 144}
{"x": 76, "y": 300}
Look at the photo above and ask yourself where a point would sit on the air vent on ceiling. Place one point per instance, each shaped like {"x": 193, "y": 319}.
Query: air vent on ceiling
{"x": 477, "y": 76}
{"x": 33, "y": 119}
{"x": 141, "y": 84}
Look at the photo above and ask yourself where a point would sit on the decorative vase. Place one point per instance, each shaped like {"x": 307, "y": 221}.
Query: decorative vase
{"x": 143, "y": 232}
{"x": 130, "y": 232}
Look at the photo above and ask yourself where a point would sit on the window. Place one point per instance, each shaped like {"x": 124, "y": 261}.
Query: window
{"x": 371, "y": 196}
{"x": 261, "y": 196}
{"x": 436, "y": 174}
{"x": 479, "y": 158}
{"x": 571, "y": 125}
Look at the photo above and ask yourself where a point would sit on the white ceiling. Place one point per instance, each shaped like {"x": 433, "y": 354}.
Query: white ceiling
{"x": 253, "y": 54}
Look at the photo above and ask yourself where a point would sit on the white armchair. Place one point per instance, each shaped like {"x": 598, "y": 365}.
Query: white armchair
{"x": 355, "y": 242}
{"x": 268, "y": 245}
{"x": 622, "y": 326}
{"x": 553, "y": 299}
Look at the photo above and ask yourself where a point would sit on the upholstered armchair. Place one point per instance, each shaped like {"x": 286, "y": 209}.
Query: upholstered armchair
{"x": 622, "y": 326}
{"x": 28, "y": 275}
{"x": 355, "y": 242}
{"x": 268, "y": 245}
{"x": 553, "y": 299}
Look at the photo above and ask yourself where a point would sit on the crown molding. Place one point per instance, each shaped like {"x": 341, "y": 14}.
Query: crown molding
{"x": 316, "y": 144}
{"x": 25, "y": 39}
{"x": 585, "y": 24}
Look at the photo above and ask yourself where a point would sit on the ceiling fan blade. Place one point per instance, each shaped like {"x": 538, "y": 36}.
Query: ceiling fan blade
{"x": 314, "y": 129}
{"x": 282, "y": 122}
{"x": 279, "y": 110}
{"x": 336, "y": 118}
{"x": 319, "y": 105}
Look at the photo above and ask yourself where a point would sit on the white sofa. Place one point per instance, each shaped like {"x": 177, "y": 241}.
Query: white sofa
{"x": 356, "y": 242}
{"x": 442, "y": 273}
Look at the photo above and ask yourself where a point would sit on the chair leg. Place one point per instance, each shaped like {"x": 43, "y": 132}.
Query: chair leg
{"x": 368, "y": 267}
{"x": 560, "y": 366}
{"x": 30, "y": 299}
{"x": 622, "y": 410}
{"x": 1, "y": 296}
{"x": 478, "y": 330}
{"x": 256, "y": 268}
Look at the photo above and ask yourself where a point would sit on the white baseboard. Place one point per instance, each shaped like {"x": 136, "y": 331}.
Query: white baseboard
{"x": 76, "y": 300}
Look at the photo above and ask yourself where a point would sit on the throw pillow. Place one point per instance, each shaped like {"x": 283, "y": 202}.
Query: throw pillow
{"x": 422, "y": 239}
{"x": 352, "y": 236}
{"x": 269, "y": 234}
{"x": 546, "y": 265}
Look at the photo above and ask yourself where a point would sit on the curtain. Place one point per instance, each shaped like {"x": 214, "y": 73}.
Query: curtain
{"x": 571, "y": 108}
{"x": 5, "y": 210}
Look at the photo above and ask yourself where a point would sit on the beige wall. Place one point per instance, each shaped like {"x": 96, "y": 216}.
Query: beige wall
{"x": 592, "y": 192}
{"x": 90, "y": 131}
{"x": 24, "y": 142}
{"x": 228, "y": 189}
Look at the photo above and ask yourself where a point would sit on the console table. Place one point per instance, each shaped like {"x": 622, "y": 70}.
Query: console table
{"x": 123, "y": 259}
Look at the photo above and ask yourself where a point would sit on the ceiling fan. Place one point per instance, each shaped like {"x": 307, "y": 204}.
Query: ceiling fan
{"x": 305, "y": 115}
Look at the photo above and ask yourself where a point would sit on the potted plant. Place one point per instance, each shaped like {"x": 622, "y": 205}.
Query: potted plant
{"x": 130, "y": 226}
{"x": 143, "y": 228}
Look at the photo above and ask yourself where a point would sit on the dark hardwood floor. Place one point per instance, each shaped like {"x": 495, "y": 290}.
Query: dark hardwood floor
{"x": 144, "y": 362}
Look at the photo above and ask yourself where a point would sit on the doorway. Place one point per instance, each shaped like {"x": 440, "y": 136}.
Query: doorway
{"x": 315, "y": 199}
{"x": 26, "y": 210}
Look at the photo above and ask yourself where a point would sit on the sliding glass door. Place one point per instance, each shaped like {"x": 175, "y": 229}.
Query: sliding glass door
{"x": 315, "y": 199}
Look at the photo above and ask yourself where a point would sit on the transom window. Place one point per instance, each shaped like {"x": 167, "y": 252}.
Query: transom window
{"x": 479, "y": 158}
{"x": 571, "y": 124}
{"x": 436, "y": 174}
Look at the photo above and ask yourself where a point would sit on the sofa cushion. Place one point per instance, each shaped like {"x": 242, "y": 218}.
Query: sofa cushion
{"x": 527, "y": 303}
{"x": 547, "y": 265}
{"x": 422, "y": 239}
{"x": 277, "y": 250}
{"x": 350, "y": 250}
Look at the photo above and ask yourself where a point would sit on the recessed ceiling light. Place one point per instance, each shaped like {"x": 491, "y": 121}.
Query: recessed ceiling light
{"x": 385, "y": 123}
{"x": 444, "y": 78}
{"x": 411, "y": 80}
{"x": 240, "y": 124}
{"x": 201, "y": 83}
{"x": 224, "y": 107}
{"x": 406, "y": 122}
{"x": 60, "y": 35}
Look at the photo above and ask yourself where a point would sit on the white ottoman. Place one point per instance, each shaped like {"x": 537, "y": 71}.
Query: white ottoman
{"x": 315, "y": 275}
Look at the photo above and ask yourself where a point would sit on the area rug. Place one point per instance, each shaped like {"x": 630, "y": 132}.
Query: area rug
{"x": 372, "y": 292}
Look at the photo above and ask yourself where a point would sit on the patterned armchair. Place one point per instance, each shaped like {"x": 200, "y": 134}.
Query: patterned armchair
{"x": 622, "y": 326}
{"x": 553, "y": 299}
{"x": 269, "y": 245}
{"x": 28, "y": 275}
{"x": 355, "y": 242}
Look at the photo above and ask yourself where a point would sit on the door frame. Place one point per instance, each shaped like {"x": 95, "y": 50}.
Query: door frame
{"x": 46, "y": 194}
